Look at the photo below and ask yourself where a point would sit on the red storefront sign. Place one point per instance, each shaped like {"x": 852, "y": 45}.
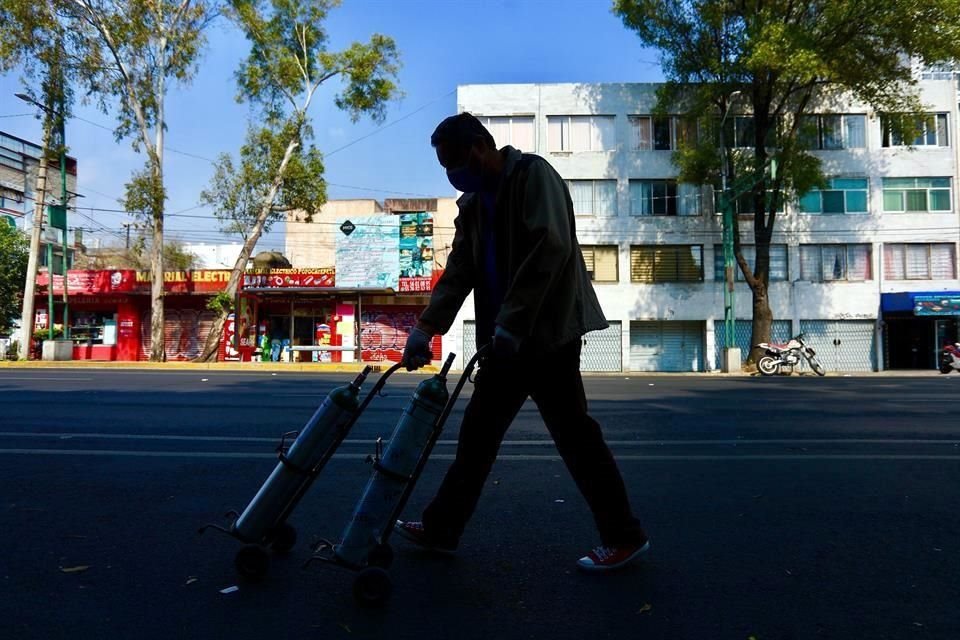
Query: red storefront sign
{"x": 196, "y": 281}
{"x": 291, "y": 278}
{"x": 129, "y": 281}
{"x": 90, "y": 282}
{"x": 415, "y": 285}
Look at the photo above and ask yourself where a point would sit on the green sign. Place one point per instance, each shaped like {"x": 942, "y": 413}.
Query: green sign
{"x": 946, "y": 305}
{"x": 57, "y": 216}
{"x": 11, "y": 221}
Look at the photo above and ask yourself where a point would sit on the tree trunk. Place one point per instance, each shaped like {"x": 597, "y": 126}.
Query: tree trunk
{"x": 211, "y": 347}
{"x": 762, "y": 321}
{"x": 157, "y": 347}
{"x": 157, "y": 350}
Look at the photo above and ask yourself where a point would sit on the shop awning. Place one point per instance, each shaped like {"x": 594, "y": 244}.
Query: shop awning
{"x": 279, "y": 291}
{"x": 922, "y": 303}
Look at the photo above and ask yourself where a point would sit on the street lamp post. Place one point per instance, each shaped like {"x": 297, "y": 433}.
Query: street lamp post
{"x": 731, "y": 353}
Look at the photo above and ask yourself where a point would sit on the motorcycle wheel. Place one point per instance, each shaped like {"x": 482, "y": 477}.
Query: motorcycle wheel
{"x": 817, "y": 367}
{"x": 945, "y": 367}
{"x": 768, "y": 366}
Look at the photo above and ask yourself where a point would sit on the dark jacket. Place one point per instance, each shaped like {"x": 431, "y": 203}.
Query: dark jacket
{"x": 548, "y": 299}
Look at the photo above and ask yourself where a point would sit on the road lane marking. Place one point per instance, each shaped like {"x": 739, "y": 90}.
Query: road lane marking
{"x": 533, "y": 443}
{"x": 3, "y": 377}
{"x": 516, "y": 457}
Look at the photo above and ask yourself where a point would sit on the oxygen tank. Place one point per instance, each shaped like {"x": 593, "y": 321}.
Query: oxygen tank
{"x": 319, "y": 434}
{"x": 393, "y": 471}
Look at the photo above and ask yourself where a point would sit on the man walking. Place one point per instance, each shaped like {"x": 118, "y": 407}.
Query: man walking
{"x": 515, "y": 247}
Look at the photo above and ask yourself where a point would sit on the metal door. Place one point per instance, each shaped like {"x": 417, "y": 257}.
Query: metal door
{"x": 469, "y": 340}
{"x": 842, "y": 345}
{"x": 666, "y": 346}
{"x": 602, "y": 350}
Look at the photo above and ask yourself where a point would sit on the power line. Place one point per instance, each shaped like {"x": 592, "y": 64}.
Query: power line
{"x": 390, "y": 124}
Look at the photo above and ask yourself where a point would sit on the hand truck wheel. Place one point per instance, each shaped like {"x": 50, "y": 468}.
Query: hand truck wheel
{"x": 252, "y": 562}
{"x": 283, "y": 537}
{"x": 372, "y": 587}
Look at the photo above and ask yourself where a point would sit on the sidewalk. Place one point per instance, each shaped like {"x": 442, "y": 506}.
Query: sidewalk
{"x": 247, "y": 367}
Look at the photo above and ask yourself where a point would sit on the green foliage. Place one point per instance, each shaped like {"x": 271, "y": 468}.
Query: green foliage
{"x": 222, "y": 303}
{"x": 175, "y": 257}
{"x": 278, "y": 170}
{"x": 44, "y": 334}
{"x": 14, "y": 251}
{"x": 777, "y": 60}
{"x": 237, "y": 194}
{"x": 125, "y": 52}
{"x": 145, "y": 194}
{"x": 786, "y": 59}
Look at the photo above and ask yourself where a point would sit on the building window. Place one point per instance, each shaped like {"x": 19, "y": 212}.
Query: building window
{"x": 516, "y": 131}
{"x": 656, "y": 264}
{"x": 580, "y": 133}
{"x": 593, "y": 197}
{"x": 919, "y": 261}
{"x": 842, "y": 195}
{"x": 664, "y": 198}
{"x": 931, "y": 131}
{"x": 778, "y": 262}
{"x": 835, "y": 262}
{"x": 12, "y": 201}
{"x": 602, "y": 262}
{"x": 834, "y": 131}
{"x": 916, "y": 194}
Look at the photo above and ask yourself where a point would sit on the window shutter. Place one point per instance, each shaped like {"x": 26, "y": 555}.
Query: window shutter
{"x": 641, "y": 264}
{"x": 589, "y": 259}
{"x": 605, "y": 261}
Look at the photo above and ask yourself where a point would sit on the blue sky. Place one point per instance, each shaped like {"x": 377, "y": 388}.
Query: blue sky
{"x": 442, "y": 44}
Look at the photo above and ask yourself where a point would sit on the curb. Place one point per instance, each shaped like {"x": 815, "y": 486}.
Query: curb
{"x": 245, "y": 367}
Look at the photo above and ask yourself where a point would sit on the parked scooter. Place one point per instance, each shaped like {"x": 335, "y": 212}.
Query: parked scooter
{"x": 950, "y": 358}
{"x": 789, "y": 354}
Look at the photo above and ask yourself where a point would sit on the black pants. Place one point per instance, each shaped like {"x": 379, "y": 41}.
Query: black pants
{"x": 553, "y": 381}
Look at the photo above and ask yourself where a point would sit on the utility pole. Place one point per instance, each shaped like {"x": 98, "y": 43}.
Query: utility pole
{"x": 127, "y": 225}
{"x": 39, "y": 201}
{"x": 57, "y": 218}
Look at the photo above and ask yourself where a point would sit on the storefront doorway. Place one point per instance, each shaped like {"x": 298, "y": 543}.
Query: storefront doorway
{"x": 917, "y": 325}
{"x": 911, "y": 343}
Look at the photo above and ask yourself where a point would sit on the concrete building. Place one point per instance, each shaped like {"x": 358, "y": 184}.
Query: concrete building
{"x": 366, "y": 311}
{"x": 19, "y": 161}
{"x": 864, "y": 268}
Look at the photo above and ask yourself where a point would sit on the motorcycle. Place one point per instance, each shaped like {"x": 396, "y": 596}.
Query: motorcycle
{"x": 789, "y": 354}
{"x": 950, "y": 358}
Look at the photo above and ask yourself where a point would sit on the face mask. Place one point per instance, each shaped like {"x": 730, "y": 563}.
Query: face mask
{"x": 465, "y": 180}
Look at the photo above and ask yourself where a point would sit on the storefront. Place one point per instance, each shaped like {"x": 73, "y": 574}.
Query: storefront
{"x": 301, "y": 315}
{"x": 917, "y": 325}
{"x": 288, "y": 315}
{"x": 109, "y": 312}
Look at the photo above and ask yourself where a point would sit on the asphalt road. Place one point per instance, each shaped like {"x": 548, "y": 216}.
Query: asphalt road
{"x": 778, "y": 508}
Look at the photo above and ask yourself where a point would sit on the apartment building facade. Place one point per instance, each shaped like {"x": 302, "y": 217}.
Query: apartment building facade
{"x": 19, "y": 162}
{"x": 866, "y": 268}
